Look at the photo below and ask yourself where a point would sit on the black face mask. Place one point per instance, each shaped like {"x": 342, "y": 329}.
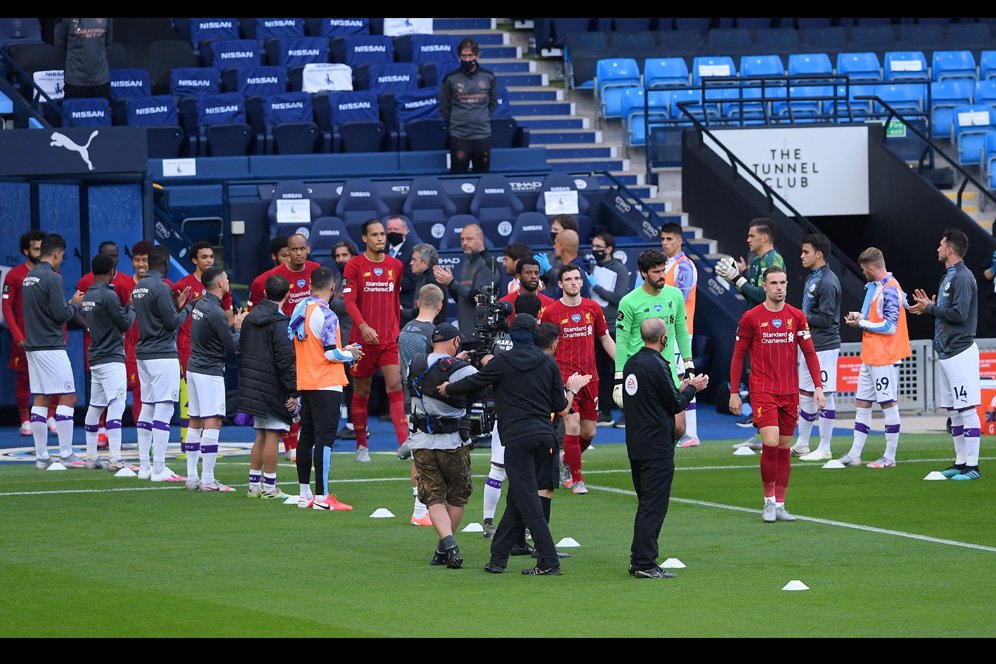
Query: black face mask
{"x": 341, "y": 265}
{"x": 553, "y": 238}
{"x": 395, "y": 238}
{"x": 598, "y": 255}
{"x": 468, "y": 66}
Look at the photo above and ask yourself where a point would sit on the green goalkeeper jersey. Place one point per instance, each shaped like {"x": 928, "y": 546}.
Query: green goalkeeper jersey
{"x": 638, "y": 306}
{"x": 752, "y": 291}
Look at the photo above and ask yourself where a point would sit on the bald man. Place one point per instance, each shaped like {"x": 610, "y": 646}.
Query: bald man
{"x": 477, "y": 273}
{"x": 565, "y": 248}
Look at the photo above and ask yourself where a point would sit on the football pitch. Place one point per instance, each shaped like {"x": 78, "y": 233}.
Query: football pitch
{"x": 884, "y": 554}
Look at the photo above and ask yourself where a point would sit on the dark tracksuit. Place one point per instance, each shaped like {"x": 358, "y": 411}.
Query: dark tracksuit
{"x": 211, "y": 338}
{"x": 650, "y": 412}
{"x": 606, "y": 365}
{"x": 158, "y": 319}
{"x": 107, "y": 321}
{"x": 528, "y": 387}
{"x": 46, "y": 311}
{"x": 466, "y": 102}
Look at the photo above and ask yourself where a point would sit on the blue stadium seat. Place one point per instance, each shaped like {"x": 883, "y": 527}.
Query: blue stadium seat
{"x": 693, "y": 101}
{"x": 954, "y": 64}
{"x": 804, "y": 110}
{"x": 860, "y": 66}
{"x": 906, "y": 66}
{"x": 278, "y": 28}
{"x": 454, "y": 226}
{"x": 357, "y": 50}
{"x": 859, "y": 109}
{"x": 284, "y": 124}
{"x": 730, "y": 40}
{"x": 224, "y": 53}
{"x": 420, "y": 106}
{"x": 778, "y": 40}
{"x": 755, "y": 66}
{"x": 532, "y": 228}
{"x": 504, "y": 108}
{"x": 506, "y": 133}
{"x": 921, "y": 37}
{"x": 325, "y": 233}
{"x": 433, "y": 48}
{"x": 354, "y": 120}
{"x": 946, "y": 96}
{"x": 969, "y": 128}
{"x": 989, "y": 160}
{"x": 221, "y": 120}
{"x": 873, "y": 37}
{"x": 828, "y": 39}
{"x": 561, "y": 27}
{"x": 255, "y": 81}
{"x": 984, "y": 93}
{"x": 681, "y": 43}
{"x": 973, "y": 36}
{"x": 811, "y": 23}
{"x": 284, "y": 215}
{"x": 208, "y": 29}
{"x": 707, "y": 66}
{"x": 906, "y": 98}
{"x": 987, "y": 65}
{"x": 297, "y": 51}
{"x": 665, "y": 71}
{"x": 612, "y": 77}
{"x": 427, "y": 204}
{"x": 630, "y": 24}
{"x": 360, "y": 201}
{"x": 557, "y": 182}
{"x": 320, "y": 77}
{"x": 752, "y": 112}
{"x": 83, "y": 112}
{"x": 336, "y": 27}
{"x": 127, "y": 83}
{"x": 700, "y": 24}
{"x": 637, "y": 109}
{"x": 752, "y": 23}
{"x": 158, "y": 114}
{"x": 19, "y": 31}
{"x": 809, "y": 64}
{"x": 193, "y": 81}
{"x": 395, "y": 77}
{"x": 494, "y": 201}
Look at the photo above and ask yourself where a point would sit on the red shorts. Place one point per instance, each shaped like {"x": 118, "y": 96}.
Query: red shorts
{"x": 780, "y": 410}
{"x": 381, "y": 355}
{"x": 586, "y": 402}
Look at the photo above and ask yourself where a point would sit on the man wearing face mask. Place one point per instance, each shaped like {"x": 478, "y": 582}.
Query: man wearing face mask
{"x": 399, "y": 247}
{"x": 467, "y": 98}
{"x": 341, "y": 253}
{"x": 602, "y": 247}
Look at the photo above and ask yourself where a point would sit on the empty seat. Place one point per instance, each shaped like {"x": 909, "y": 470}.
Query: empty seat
{"x": 532, "y": 228}
{"x": 731, "y": 40}
{"x": 297, "y": 51}
{"x": 946, "y": 96}
{"x": 193, "y": 81}
{"x": 630, "y": 24}
{"x": 427, "y": 204}
{"x": 700, "y": 24}
{"x": 33, "y": 58}
{"x": 205, "y": 29}
{"x": 130, "y": 83}
{"x": 665, "y": 71}
{"x": 906, "y": 66}
{"x": 85, "y": 112}
{"x": 829, "y": 39}
{"x": 278, "y": 28}
{"x": 561, "y": 27}
{"x": 922, "y": 36}
{"x": 906, "y": 98}
{"x": 809, "y": 64}
{"x": 360, "y": 201}
{"x": 984, "y": 93}
{"x": 158, "y": 114}
{"x": 434, "y": 48}
{"x": 563, "y": 188}
{"x": 288, "y": 125}
{"x": 969, "y": 128}
{"x": 164, "y": 56}
{"x": 321, "y": 77}
{"x": 689, "y": 101}
{"x": 987, "y": 65}
{"x": 506, "y": 133}
{"x": 255, "y": 81}
{"x": 612, "y": 77}
{"x": 221, "y": 119}
{"x": 709, "y": 66}
{"x": 291, "y": 207}
{"x": 752, "y": 23}
{"x": 863, "y": 66}
{"x": 805, "y": 103}
{"x": 336, "y": 27}
{"x": 395, "y": 77}
{"x": 364, "y": 50}
{"x": 778, "y": 40}
{"x": 224, "y": 53}
{"x": 989, "y": 160}
{"x": 756, "y": 66}
{"x": 354, "y": 119}
{"x": 953, "y": 64}
{"x": 641, "y": 106}
{"x": 325, "y": 233}
{"x": 873, "y": 37}
{"x": 420, "y": 106}
{"x": 681, "y": 42}
{"x": 494, "y": 201}
{"x": 19, "y": 30}
{"x": 973, "y": 36}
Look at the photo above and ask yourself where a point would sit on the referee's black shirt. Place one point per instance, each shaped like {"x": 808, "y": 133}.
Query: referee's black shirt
{"x": 650, "y": 401}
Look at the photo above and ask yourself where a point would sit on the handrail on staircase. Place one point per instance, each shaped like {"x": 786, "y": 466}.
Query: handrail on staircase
{"x": 10, "y": 64}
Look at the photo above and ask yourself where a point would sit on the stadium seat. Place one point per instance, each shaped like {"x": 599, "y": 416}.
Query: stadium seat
{"x": 130, "y": 83}
{"x": 532, "y": 228}
{"x": 561, "y": 27}
{"x": 972, "y": 36}
{"x": 873, "y": 37}
{"x": 906, "y": 66}
{"x": 320, "y": 77}
{"x": 630, "y": 24}
{"x": 224, "y": 53}
{"x": 277, "y": 28}
{"x": 612, "y": 77}
{"x": 223, "y": 130}
{"x": 681, "y": 42}
{"x": 989, "y": 160}
{"x": 494, "y": 201}
{"x": 809, "y": 64}
{"x": 296, "y": 51}
{"x": 707, "y": 66}
{"x": 984, "y": 93}
{"x": 255, "y": 81}
{"x": 692, "y": 101}
{"x": 325, "y": 233}
{"x": 804, "y": 110}
{"x": 336, "y": 27}
{"x": 969, "y": 127}
{"x": 756, "y": 66}
{"x": 158, "y": 114}
{"x": 19, "y": 30}
{"x": 193, "y": 81}
{"x": 813, "y": 23}
{"x": 752, "y": 23}
{"x": 905, "y": 98}
{"x": 454, "y": 226}
{"x": 659, "y": 72}
{"x": 284, "y": 214}
{"x": 284, "y": 124}
{"x": 165, "y": 55}
{"x": 395, "y": 77}
{"x": 506, "y": 133}
{"x": 778, "y": 40}
{"x": 953, "y": 64}
{"x": 422, "y": 106}
{"x": 860, "y": 66}
{"x": 424, "y": 134}
{"x": 84, "y": 112}
{"x": 33, "y": 58}
{"x": 946, "y": 96}
{"x": 828, "y": 39}
{"x": 208, "y": 29}
{"x": 735, "y": 41}
{"x": 427, "y": 204}
{"x": 699, "y": 24}
{"x": 637, "y": 111}
{"x": 354, "y": 120}
{"x": 562, "y": 183}
{"x": 359, "y": 201}
{"x": 921, "y": 36}
{"x": 987, "y": 65}
{"x": 356, "y": 50}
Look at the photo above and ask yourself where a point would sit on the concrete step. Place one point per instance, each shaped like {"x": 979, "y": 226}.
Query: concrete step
{"x": 508, "y": 66}
{"x": 627, "y": 177}
{"x": 559, "y": 136}
{"x": 499, "y": 52}
{"x": 580, "y": 151}
{"x": 580, "y": 165}
{"x": 542, "y": 108}
{"x": 517, "y": 79}
{"x": 535, "y": 93}
{"x": 450, "y": 24}
{"x": 553, "y": 122}
{"x": 483, "y": 37}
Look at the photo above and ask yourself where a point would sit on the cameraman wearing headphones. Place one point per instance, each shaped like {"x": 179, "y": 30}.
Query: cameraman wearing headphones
{"x": 440, "y": 439}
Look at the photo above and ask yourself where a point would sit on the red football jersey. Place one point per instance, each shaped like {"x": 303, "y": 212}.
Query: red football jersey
{"x": 771, "y": 338}
{"x": 197, "y": 291}
{"x": 13, "y": 314}
{"x": 372, "y": 292}
{"x": 581, "y": 327}
{"x": 545, "y": 300}
{"x": 300, "y": 284}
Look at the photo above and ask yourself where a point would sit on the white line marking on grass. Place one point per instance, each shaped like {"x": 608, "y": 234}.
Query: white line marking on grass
{"x": 827, "y": 522}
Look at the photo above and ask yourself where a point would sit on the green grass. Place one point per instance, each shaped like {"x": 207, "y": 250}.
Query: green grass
{"x": 166, "y": 562}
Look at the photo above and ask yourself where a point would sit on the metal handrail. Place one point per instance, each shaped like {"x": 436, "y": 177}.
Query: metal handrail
{"x": 33, "y": 102}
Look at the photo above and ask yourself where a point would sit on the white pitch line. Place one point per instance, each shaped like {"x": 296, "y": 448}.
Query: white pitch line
{"x": 827, "y": 522}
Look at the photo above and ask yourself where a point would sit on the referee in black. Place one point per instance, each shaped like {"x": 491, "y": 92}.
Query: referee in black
{"x": 528, "y": 388}
{"x": 650, "y": 401}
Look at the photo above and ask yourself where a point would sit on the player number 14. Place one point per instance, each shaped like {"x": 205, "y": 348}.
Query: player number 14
{"x": 960, "y": 394}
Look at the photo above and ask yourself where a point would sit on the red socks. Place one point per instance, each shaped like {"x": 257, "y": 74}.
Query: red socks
{"x": 396, "y": 402}
{"x": 769, "y": 469}
{"x": 572, "y": 456}
{"x": 359, "y": 412}
{"x": 290, "y": 437}
{"x": 585, "y": 443}
{"x": 782, "y": 477}
{"x": 22, "y": 392}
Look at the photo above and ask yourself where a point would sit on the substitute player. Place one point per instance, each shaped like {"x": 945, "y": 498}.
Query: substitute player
{"x": 885, "y": 341}
{"x": 821, "y": 305}
{"x": 955, "y": 312}
{"x": 772, "y": 332}
{"x": 582, "y": 324}
{"x": 681, "y": 273}
{"x": 372, "y": 291}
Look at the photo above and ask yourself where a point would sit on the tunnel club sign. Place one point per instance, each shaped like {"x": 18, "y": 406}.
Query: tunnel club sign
{"x": 818, "y": 170}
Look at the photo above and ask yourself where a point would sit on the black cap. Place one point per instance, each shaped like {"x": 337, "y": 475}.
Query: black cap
{"x": 444, "y": 332}
{"x": 524, "y": 322}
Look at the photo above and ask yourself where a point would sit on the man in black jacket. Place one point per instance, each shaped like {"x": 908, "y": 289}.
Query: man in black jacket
{"x": 528, "y": 388}
{"x": 468, "y": 97}
{"x": 651, "y": 401}
{"x": 477, "y": 274}
{"x": 267, "y": 384}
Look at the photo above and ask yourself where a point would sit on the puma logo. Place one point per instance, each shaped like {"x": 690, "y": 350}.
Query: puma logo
{"x": 63, "y": 141}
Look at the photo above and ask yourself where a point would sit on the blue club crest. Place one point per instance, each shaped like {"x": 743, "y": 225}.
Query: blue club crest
{"x": 658, "y": 308}
{"x": 378, "y": 271}
{"x": 300, "y": 283}
{"x": 576, "y": 318}
{"x": 777, "y": 323}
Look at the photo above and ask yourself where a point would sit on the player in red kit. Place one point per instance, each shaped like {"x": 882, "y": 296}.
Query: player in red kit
{"x": 297, "y": 271}
{"x": 527, "y": 280}
{"x": 582, "y": 325}
{"x": 772, "y": 332}
{"x": 279, "y": 254}
{"x": 13, "y": 315}
{"x": 372, "y": 292}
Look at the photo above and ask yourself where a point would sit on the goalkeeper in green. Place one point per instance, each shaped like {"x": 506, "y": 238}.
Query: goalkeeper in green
{"x": 761, "y": 242}
{"x": 653, "y": 299}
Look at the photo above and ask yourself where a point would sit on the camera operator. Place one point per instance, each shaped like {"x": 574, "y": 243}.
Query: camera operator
{"x": 440, "y": 439}
{"x": 528, "y": 387}
{"x": 477, "y": 273}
